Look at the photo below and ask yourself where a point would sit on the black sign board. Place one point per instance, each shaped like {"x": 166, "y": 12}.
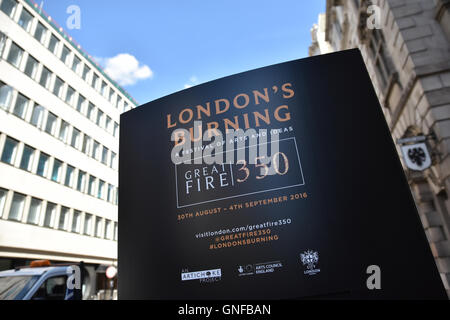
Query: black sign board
{"x": 326, "y": 212}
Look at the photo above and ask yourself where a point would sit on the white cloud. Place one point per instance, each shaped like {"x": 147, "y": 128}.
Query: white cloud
{"x": 125, "y": 69}
{"x": 193, "y": 81}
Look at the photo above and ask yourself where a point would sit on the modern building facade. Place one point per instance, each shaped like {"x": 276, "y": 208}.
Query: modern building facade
{"x": 59, "y": 141}
{"x": 408, "y": 59}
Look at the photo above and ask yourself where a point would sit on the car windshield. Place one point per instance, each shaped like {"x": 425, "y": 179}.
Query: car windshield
{"x": 14, "y": 288}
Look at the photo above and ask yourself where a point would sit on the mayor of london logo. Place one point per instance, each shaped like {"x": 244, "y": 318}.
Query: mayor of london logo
{"x": 310, "y": 259}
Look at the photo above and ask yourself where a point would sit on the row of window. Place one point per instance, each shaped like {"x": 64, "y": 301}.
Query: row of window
{"x": 58, "y": 87}
{"x": 69, "y": 58}
{"x": 29, "y": 159}
{"x": 19, "y": 105}
{"x": 19, "y": 207}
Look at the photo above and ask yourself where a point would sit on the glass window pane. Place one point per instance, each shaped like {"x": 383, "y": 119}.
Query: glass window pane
{"x": 50, "y": 214}
{"x": 101, "y": 187}
{"x": 95, "y": 81}
{"x": 99, "y": 118}
{"x": 76, "y": 64}
{"x": 76, "y": 221}
{"x": 95, "y": 149}
{"x": 70, "y": 95}
{"x": 25, "y": 20}
{"x": 9, "y": 150}
{"x": 3, "y": 194}
{"x": 69, "y": 176}
{"x": 21, "y": 106}
{"x": 18, "y": 202}
{"x": 105, "y": 156}
{"x": 88, "y": 224}
{"x": 35, "y": 211}
{"x": 116, "y": 129}
{"x": 43, "y": 165}
{"x": 86, "y": 71}
{"x": 75, "y": 138}
{"x": 53, "y": 45}
{"x": 31, "y": 67}
{"x": 91, "y": 185}
{"x": 58, "y": 87}
{"x": 112, "y": 163}
{"x": 98, "y": 227}
{"x": 107, "y": 231}
{"x": 45, "y": 78}
{"x": 104, "y": 88}
{"x": 110, "y": 193}
{"x": 27, "y": 158}
{"x": 40, "y": 33}
{"x": 5, "y": 95}
{"x": 37, "y": 117}
{"x": 86, "y": 144}
{"x": 63, "y": 131}
{"x": 56, "y": 170}
{"x": 80, "y": 104}
{"x": 15, "y": 55}
{"x": 81, "y": 181}
{"x": 90, "y": 111}
{"x": 115, "y": 231}
{"x": 8, "y": 7}
{"x": 51, "y": 123}
{"x": 2, "y": 42}
{"x": 65, "y": 55}
{"x": 63, "y": 218}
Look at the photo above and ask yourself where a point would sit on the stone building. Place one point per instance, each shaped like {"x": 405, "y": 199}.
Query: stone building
{"x": 408, "y": 58}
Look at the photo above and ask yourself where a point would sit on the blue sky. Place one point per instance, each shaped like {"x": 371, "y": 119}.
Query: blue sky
{"x": 182, "y": 43}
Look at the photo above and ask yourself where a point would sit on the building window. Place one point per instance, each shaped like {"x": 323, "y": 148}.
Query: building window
{"x": 95, "y": 80}
{"x": 90, "y": 111}
{"x": 50, "y": 214}
{"x": 101, "y": 189}
{"x": 58, "y": 87}
{"x": 76, "y": 64}
{"x": 40, "y": 33}
{"x": 63, "y": 131}
{"x": 15, "y": 55}
{"x": 75, "y": 138}
{"x": 70, "y": 95}
{"x": 91, "y": 185}
{"x": 63, "y": 218}
{"x": 88, "y": 224}
{"x": 69, "y": 176}
{"x": 45, "y": 78}
{"x": 98, "y": 227}
{"x": 86, "y": 144}
{"x": 107, "y": 232}
{"x": 43, "y": 165}
{"x": 9, "y": 150}
{"x": 95, "y": 150}
{"x": 9, "y": 7}
{"x": 17, "y": 205}
{"x": 21, "y": 106}
{"x": 76, "y": 221}
{"x": 35, "y": 211}
{"x": 5, "y": 95}
{"x": 3, "y": 194}
{"x": 110, "y": 193}
{"x": 2, "y": 43}
{"x": 56, "y": 173}
{"x": 37, "y": 116}
{"x": 119, "y": 100}
{"x": 116, "y": 129}
{"x": 86, "y": 71}
{"x": 81, "y": 181}
{"x": 115, "y": 231}
{"x": 25, "y": 20}
{"x": 99, "y": 118}
{"x": 105, "y": 155}
{"x": 108, "y": 124}
{"x": 380, "y": 60}
{"x": 31, "y": 67}
{"x": 51, "y": 124}
{"x": 104, "y": 88}
{"x": 81, "y": 101}
{"x": 111, "y": 95}
{"x": 53, "y": 44}
{"x": 65, "y": 55}
{"x": 27, "y": 158}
